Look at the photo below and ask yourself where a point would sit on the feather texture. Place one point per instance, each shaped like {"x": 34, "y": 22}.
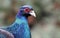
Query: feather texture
{"x": 20, "y": 28}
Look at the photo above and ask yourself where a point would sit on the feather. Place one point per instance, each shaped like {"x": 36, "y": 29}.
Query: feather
{"x": 19, "y": 29}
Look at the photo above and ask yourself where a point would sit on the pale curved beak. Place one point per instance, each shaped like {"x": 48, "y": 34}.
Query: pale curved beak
{"x": 32, "y": 13}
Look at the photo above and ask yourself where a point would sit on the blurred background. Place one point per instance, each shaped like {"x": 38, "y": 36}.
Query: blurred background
{"x": 47, "y": 21}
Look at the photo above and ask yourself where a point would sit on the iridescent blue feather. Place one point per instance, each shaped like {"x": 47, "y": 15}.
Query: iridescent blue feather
{"x": 20, "y": 28}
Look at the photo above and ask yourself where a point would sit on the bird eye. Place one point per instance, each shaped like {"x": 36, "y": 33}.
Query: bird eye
{"x": 27, "y": 10}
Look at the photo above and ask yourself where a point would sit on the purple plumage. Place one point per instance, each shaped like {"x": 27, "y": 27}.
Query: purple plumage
{"x": 20, "y": 28}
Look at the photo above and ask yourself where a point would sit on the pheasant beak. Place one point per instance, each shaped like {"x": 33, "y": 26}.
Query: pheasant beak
{"x": 32, "y": 13}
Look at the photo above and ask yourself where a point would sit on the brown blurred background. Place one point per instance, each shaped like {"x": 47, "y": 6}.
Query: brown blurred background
{"x": 48, "y": 16}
